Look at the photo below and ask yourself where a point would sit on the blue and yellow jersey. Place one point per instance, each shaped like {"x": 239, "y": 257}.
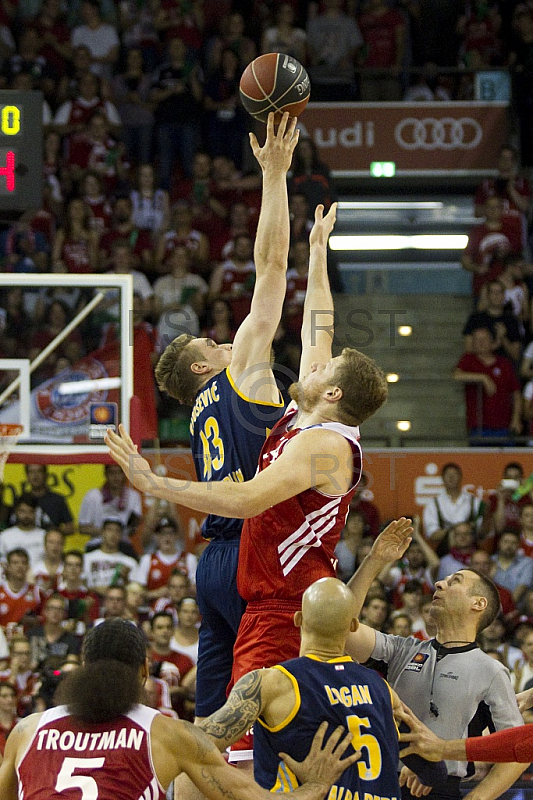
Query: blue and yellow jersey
{"x": 227, "y": 433}
{"x": 343, "y": 693}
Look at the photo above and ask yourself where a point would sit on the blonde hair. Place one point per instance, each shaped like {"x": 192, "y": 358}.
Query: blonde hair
{"x": 173, "y": 371}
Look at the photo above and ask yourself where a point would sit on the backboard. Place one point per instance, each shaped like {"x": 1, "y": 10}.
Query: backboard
{"x": 75, "y": 333}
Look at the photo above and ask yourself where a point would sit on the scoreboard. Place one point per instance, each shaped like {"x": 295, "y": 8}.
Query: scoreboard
{"x": 21, "y": 152}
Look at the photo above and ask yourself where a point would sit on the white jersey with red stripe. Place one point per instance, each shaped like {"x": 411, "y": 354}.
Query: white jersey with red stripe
{"x": 290, "y": 545}
{"x": 103, "y": 760}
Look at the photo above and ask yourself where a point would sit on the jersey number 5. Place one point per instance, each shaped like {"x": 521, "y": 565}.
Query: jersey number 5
{"x": 370, "y": 768}
{"x": 210, "y": 436}
{"x": 67, "y": 780}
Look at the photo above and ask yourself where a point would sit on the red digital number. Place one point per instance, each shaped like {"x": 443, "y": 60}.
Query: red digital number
{"x": 9, "y": 171}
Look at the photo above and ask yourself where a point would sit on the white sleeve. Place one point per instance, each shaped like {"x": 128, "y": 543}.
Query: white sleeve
{"x": 192, "y": 563}
{"x": 63, "y": 113}
{"x": 4, "y": 647}
{"x": 430, "y": 517}
{"x": 112, "y": 114}
{"x": 140, "y": 573}
{"x": 528, "y": 391}
{"x": 86, "y": 515}
{"x": 528, "y": 352}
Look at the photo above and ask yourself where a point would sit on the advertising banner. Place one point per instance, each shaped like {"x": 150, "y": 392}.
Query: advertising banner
{"x": 419, "y": 138}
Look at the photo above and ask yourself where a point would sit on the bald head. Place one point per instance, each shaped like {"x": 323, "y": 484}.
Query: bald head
{"x": 328, "y": 610}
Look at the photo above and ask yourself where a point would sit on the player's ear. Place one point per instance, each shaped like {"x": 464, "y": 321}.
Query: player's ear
{"x": 333, "y": 394}
{"x": 354, "y": 624}
{"x": 200, "y": 367}
{"x": 479, "y": 603}
{"x": 297, "y": 619}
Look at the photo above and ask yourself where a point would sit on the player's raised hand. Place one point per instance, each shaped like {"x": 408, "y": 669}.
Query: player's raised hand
{"x": 324, "y": 763}
{"x": 392, "y": 543}
{"x": 323, "y": 225}
{"x": 276, "y": 153}
{"x": 136, "y": 468}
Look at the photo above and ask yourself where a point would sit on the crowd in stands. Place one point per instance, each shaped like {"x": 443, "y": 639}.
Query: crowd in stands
{"x": 496, "y": 364}
{"x": 136, "y": 566}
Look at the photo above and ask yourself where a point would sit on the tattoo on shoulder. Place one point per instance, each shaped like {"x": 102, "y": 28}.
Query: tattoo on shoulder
{"x": 240, "y": 711}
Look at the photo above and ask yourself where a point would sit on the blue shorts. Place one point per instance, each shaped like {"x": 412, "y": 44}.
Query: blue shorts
{"x": 221, "y": 608}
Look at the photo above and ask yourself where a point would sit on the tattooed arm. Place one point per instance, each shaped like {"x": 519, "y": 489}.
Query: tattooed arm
{"x": 247, "y": 701}
{"x": 178, "y": 747}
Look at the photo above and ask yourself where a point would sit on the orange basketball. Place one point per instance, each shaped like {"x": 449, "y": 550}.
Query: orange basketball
{"x": 274, "y": 82}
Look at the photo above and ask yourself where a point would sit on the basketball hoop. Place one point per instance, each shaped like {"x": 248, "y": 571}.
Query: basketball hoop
{"x": 9, "y": 436}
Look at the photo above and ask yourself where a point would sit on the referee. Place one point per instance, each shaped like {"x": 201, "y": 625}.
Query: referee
{"x": 448, "y": 682}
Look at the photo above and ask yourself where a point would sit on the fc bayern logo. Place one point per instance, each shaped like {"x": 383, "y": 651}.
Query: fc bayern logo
{"x": 70, "y": 408}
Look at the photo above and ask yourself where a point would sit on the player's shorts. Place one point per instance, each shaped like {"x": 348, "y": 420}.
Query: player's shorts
{"x": 267, "y": 635}
{"x": 221, "y": 607}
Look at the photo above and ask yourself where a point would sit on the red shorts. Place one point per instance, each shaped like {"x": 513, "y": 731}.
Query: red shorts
{"x": 267, "y": 635}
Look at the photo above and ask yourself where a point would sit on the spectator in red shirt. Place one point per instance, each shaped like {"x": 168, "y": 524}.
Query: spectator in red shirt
{"x": 504, "y": 512}
{"x": 162, "y": 628}
{"x": 490, "y": 242}
{"x": 526, "y": 528}
{"x": 495, "y": 377}
{"x": 98, "y": 151}
{"x": 18, "y": 598}
{"x": 76, "y": 244}
{"x": 8, "y": 712}
{"x": 508, "y": 185}
{"x": 54, "y": 34}
{"x": 19, "y": 673}
{"x": 83, "y": 606}
{"x": 383, "y": 31}
{"x": 122, "y": 228}
{"x": 234, "y": 279}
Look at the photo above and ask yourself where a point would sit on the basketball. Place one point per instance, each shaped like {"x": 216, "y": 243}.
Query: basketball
{"x": 274, "y": 82}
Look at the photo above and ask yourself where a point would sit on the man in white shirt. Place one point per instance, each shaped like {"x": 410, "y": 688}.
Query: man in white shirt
{"x": 106, "y": 565}
{"x": 452, "y": 506}
{"x": 114, "y": 500}
{"x": 25, "y": 533}
{"x": 100, "y": 39}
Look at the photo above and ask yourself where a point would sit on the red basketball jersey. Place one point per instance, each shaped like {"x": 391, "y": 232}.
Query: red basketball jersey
{"x": 160, "y": 572}
{"x": 291, "y": 545}
{"x": 104, "y": 761}
{"x": 15, "y": 605}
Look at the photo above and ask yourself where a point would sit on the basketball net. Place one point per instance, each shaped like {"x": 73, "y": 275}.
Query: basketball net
{"x": 9, "y": 436}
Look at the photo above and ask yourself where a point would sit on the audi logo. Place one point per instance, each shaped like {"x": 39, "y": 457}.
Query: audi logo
{"x": 447, "y": 133}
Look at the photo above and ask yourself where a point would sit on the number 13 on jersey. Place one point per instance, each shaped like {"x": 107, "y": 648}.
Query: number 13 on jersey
{"x": 212, "y": 447}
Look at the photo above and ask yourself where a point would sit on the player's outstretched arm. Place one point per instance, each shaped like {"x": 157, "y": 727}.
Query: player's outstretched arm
{"x": 318, "y": 323}
{"x": 316, "y": 458}
{"x": 250, "y": 364}
{"x": 182, "y": 747}
{"x": 390, "y": 545}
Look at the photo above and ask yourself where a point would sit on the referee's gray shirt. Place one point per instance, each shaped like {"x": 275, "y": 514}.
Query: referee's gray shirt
{"x": 470, "y": 690}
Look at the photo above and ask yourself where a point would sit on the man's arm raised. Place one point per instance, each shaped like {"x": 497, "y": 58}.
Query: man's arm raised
{"x": 390, "y": 545}
{"x": 315, "y": 458}
{"x": 250, "y": 363}
{"x": 317, "y": 327}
